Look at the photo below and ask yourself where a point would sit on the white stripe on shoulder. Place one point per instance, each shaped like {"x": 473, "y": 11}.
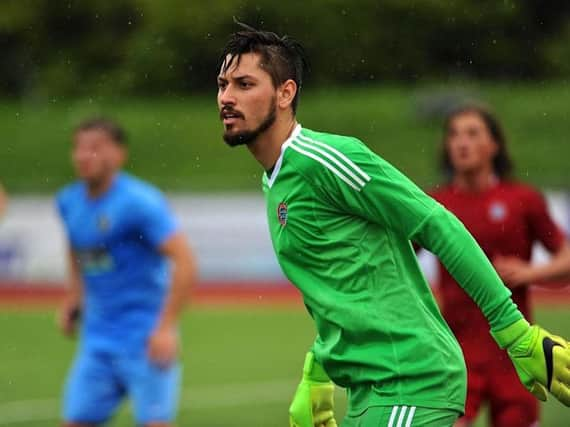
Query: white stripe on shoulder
{"x": 325, "y": 164}
{"x": 411, "y": 416}
{"x": 339, "y": 154}
{"x": 402, "y": 415}
{"x": 393, "y": 416}
{"x": 333, "y": 159}
{"x": 271, "y": 179}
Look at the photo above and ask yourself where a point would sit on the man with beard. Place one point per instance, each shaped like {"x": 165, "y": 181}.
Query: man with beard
{"x": 341, "y": 220}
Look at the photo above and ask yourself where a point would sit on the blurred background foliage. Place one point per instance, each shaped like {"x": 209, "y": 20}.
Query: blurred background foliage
{"x": 382, "y": 70}
{"x": 146, "y": 47}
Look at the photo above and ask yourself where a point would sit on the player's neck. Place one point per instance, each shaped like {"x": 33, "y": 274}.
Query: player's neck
{"x": 97, "y": 188}
{"x": 267, "y": 148}
{"x": 476, "y": 181}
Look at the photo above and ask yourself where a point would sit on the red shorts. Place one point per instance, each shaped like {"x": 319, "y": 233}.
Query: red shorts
{"x": 497, "y": 384}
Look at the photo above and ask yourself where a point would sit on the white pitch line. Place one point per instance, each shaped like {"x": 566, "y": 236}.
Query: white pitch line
{"x": 193, "y": 398}
{"x": 29, "y": 410}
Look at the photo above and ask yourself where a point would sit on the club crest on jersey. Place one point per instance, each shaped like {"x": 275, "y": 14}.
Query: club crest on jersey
{"x": 103, "y": 223}
{"x": 497, "y": 211}
{"x": 282, "y": 213}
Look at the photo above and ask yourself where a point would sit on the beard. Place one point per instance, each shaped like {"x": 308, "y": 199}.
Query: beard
{"x": 248, "y": 136}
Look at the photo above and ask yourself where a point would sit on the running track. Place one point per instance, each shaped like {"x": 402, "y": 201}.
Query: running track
{"x": 38, "y": 295}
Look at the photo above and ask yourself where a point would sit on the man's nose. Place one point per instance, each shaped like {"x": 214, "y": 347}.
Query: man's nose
{"x": 227, "y": 97}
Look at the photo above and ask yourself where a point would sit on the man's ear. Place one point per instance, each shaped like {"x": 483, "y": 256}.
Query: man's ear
{"x": 286, "y": 94}
{"x": 122, "y": 156}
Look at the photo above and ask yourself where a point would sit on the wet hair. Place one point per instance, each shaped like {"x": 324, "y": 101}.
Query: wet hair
{"x": 502, "y": 163}
{"x": 110, "y": 127}
{"x": 282, "y": 57}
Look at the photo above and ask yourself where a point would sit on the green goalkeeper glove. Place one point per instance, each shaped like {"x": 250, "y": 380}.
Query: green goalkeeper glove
{"x": 542, "y": 360}
{"x": 313, "y": 402}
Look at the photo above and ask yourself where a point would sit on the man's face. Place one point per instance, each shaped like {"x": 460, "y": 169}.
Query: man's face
{"x": 246, "y": 100}
{"x": 95, "y": 155}
{"x": 469, "y": 143}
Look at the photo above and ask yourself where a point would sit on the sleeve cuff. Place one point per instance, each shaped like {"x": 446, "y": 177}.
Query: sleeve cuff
{"x": 507, "y": 336}
{"x": 312, "y": 370}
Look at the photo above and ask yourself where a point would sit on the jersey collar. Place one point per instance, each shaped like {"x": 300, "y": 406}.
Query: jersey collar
{"x": 271, "y": 179}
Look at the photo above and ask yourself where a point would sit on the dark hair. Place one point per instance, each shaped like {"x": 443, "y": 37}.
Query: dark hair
{"x": 282, "y": 57}
{"x": 502, "y": 164}
{"x": 110, "y": 127}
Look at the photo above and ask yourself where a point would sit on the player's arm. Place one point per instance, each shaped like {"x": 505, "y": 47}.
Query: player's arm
{"x": 385, "y": 196}
{"x": 158, "y": 226}
{"x": 70, "y": 310}
{"x": 542, "y": 360}
{"x": 516, "y": 272}
{"x": 163, "y": 341}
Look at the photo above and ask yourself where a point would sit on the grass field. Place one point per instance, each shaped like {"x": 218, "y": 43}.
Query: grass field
{"x": 241, "y": 366}
{"x": 176, "y": 142}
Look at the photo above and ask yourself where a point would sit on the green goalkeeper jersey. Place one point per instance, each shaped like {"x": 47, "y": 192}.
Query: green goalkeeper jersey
{"x": 341, "y": 221}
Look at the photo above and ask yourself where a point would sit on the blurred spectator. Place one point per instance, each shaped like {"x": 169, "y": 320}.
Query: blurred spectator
{"x": 506, "y": 217}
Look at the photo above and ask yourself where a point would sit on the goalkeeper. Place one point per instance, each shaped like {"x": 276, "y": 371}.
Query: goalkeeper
{"x": 341, "y": 221}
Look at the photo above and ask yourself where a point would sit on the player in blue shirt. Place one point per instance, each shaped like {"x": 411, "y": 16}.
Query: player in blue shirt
{"x": 121, "y": 236}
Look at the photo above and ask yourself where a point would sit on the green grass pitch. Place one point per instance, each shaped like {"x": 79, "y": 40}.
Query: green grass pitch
{"x": 241, "y": 366}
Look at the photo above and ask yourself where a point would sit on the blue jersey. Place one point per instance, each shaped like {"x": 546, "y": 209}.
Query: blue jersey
{"x": 116, "y": 238}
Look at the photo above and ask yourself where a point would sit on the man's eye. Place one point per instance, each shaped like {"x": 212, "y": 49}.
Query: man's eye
{"x": 245, "y": 85}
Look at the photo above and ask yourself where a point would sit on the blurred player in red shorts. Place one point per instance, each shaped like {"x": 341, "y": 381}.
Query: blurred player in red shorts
{"x": 506, "y": 218}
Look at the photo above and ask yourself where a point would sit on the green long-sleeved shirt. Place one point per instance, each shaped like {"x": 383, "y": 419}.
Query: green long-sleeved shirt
{"x": 341, "y": 220}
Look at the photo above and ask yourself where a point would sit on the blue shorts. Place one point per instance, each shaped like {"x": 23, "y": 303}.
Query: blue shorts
{"x": 98, "y": 382}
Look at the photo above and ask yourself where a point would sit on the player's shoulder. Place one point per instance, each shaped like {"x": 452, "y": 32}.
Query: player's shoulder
{"x": 138, "y": 191}
{"x": 314, "y": 153}
{"x": 441, "y": 191}
{"x": 70, "y": 193}
{"x": 342, "y": 143}
{"x": 519, "y": 190}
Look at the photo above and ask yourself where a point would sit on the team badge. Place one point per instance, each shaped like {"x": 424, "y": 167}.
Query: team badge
{"x": 497, "y": 211}
{"x": 282, "y": 213}
{"x": 103, "y": 223}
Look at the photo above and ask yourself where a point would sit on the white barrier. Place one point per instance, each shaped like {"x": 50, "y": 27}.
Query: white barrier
{"x": 228, "y": 233}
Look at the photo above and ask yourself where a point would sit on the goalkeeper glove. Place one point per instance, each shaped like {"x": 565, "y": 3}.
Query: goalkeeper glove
{"x": 542, "y": 360}
{"x": 313, "y": 403}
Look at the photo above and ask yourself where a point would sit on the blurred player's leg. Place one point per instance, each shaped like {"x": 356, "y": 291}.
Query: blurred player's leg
{"x": 153, "y": 389}
{"x": 476, "y": 394}
{"x": 92, "y": 393}
{"x": 511, "y": 405}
